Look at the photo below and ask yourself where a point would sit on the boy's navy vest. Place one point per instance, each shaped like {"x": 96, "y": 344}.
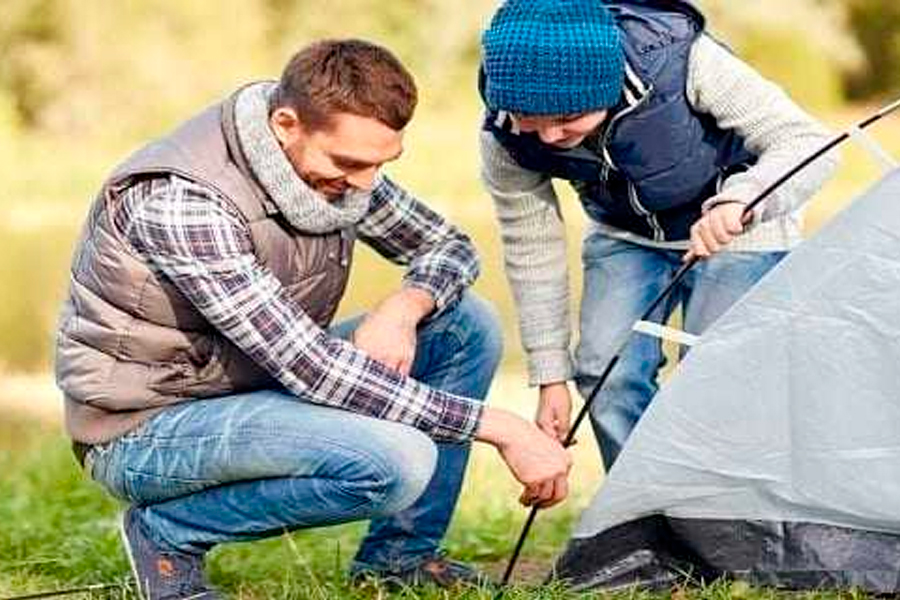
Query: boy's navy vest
{"x": 654, "y": 161}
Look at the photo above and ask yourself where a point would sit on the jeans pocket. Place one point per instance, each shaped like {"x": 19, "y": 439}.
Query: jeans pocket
{"x": 144, "y": 488}
{"x": 100, "y": 466}
{"x": 598, "y": 246}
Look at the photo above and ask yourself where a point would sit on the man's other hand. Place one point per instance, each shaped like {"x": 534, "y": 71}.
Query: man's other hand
{"x": 388, "y": 333}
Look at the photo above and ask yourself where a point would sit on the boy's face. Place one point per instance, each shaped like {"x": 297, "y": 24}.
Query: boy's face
{"x": 562, "y": 131}
{"x": 344, "y": 156}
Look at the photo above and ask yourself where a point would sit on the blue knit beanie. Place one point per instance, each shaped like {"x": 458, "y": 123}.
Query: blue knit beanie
{"x": 552, "y": 57}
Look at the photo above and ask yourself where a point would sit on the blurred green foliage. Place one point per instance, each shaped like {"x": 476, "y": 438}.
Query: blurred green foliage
{"x": 804, "y": 45}
{"x": 87, "y": 67}
{"x": 877, "y": 27}
{"x": 134, "y": 65}
{"x": 75, "y": 66}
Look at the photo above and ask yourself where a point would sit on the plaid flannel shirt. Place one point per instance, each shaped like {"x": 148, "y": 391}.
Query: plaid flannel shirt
{"x": 190, "y": 235}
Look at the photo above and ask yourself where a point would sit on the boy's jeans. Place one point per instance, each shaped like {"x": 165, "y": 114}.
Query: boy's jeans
{"x": 620, "y": 281}
{"x": 252, "y": 465}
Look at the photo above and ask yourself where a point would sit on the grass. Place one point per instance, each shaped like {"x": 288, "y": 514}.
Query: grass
{"x": 59, "y": 531}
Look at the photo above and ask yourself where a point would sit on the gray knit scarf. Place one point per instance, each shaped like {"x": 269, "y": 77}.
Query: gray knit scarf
{"x": 304, "y": 208}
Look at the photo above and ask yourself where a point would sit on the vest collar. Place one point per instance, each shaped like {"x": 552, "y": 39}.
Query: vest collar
{"x": 229, "y": 129}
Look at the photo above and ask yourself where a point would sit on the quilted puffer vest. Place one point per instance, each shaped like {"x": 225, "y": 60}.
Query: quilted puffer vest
{"x": 129, "y": 342}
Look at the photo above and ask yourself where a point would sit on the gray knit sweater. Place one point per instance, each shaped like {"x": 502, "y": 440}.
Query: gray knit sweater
{"x": 533, "y": 234}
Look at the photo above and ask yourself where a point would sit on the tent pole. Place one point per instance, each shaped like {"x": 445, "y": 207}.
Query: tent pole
{"x": 679, "y": 275}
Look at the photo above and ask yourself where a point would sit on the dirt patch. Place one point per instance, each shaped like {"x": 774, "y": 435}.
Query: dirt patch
{"x": 529, "y": 571}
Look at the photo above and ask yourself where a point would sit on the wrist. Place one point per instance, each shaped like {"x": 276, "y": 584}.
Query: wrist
{"x": 494, "y": 427}
{"x": 410, "y": 305}
{"x": 554, "y": 385}
{"x": 551, "y": 392}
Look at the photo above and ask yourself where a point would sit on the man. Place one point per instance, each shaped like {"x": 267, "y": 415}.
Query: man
{"x": 666, "y": 137}
{"x": 201, "y": 383}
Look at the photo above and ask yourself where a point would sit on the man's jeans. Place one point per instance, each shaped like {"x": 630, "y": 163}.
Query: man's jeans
{"x": 621, "y": 279}
{"x": 248, "y": 466}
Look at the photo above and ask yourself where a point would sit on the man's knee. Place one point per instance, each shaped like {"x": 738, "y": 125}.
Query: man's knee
{"x": 406, "y": 471}
{"x": 479, "y": 320}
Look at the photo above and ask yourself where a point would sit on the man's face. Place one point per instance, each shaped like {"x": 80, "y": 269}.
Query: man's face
{"x": 562, "y": 131}
{"x": 343, "y": 156}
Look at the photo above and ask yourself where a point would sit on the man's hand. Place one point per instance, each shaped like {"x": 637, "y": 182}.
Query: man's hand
{"x": 388, "y": 333}
{"x": 554, "y": 410}
{"x": 715, "y": 229}
{"x": 538, "y": 461}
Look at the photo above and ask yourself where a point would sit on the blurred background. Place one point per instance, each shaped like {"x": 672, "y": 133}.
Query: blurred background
{"x": 82, "y": 83}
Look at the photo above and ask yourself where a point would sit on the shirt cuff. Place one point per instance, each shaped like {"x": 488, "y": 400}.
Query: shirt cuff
{"x": 459, "y": 419}
{"x": 549, "y": 366}
{"x": 737, "y": 189}
{"x": 442, "y": 292}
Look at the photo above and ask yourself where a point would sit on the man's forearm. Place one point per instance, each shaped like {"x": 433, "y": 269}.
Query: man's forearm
{"x": 412, "y": 304}
{"x": 440, "y": 258}
{"x": 250, "y": 307}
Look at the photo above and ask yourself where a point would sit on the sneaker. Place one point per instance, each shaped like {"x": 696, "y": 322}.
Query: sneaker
{"x": 438, "y": 570}
{"x": 162, "y": 574}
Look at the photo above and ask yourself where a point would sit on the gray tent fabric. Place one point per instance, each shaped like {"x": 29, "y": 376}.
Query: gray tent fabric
{"x": 773, "y": 454}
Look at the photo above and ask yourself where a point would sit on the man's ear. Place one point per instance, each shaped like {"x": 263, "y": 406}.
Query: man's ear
{"x": 285, "y": 125}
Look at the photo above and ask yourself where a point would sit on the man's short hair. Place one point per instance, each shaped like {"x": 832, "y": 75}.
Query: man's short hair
{"x": 350, "y": 76}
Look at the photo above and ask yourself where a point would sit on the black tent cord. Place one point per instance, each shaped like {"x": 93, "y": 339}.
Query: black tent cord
{"x": 676, "y": 278}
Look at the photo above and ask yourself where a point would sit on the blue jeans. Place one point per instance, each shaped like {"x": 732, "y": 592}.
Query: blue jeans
{"x": 621, "y": 279}
{"x": 248, "y": 466}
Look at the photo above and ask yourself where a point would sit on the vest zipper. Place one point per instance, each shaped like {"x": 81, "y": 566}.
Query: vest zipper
{"x": 636, "y": 206}
{"x": 344, "y": 248}
{"x": 608, "y": 130}
{"x": 658, "y": 234}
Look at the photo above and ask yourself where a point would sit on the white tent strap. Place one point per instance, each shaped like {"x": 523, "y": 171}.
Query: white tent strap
{"x": 666, "y": 333}
{"x": 884, "y": 159}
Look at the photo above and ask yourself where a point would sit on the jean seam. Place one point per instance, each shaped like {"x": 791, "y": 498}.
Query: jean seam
{"x": 453, "y": 372}
{"x": 381, "y": 470}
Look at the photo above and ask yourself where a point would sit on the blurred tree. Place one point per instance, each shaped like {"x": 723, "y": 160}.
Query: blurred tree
{"x": 83, "y": 67}
{"x": 804, "y": 45}
{"x": 31, "y": 35}
{"x": 134, "y": 66}
{"x": 877, "y": 26}
{"x": 437, "y": 40}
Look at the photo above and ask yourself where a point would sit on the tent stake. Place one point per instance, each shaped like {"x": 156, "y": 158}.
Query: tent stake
{"x": 679, "y": 275}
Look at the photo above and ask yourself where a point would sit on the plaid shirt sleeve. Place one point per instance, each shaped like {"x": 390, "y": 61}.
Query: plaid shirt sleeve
{"x": 440, "y": 259}
{"x": 202, "y": 245}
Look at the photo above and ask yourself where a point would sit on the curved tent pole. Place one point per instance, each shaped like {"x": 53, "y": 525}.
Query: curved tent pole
{"x": 679, "y": 275}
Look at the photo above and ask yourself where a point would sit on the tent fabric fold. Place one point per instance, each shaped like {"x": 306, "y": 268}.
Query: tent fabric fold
{"x": 773, "y": 454}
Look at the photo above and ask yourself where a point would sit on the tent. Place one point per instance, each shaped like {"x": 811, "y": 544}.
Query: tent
{"x": 773, "y": 455}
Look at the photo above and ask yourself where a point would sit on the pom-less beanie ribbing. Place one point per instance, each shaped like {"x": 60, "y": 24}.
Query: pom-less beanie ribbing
{"x": 552, "y": 57}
